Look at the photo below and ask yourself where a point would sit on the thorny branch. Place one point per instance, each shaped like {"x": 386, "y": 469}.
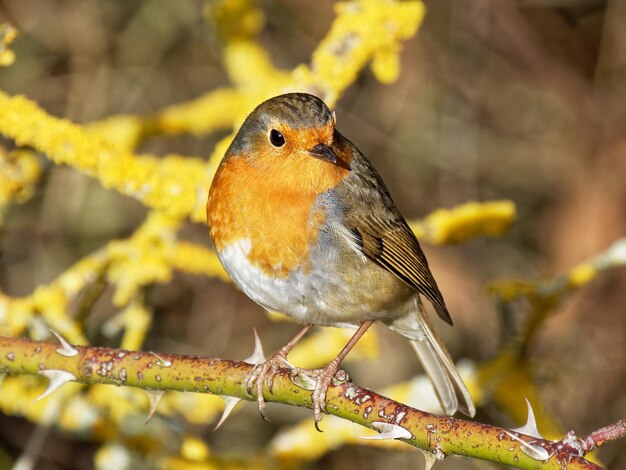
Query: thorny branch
{"x": 440, "y": 436}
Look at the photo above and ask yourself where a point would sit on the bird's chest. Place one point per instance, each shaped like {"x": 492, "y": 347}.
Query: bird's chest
{"x": 270, "y": 289}
{"x": 273, "y": 233}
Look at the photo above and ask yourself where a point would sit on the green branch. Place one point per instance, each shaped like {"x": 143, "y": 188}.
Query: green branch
{"x": 441, "y": 436}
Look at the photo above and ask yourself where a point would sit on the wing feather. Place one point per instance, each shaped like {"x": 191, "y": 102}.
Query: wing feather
{"x": 378, "y": 229}
{"x": 395, "y": 248}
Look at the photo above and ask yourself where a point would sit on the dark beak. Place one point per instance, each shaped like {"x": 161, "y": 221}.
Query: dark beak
{"x": 323, "y": 152}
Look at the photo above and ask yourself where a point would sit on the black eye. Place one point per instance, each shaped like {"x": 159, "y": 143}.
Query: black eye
{"x": 276, "y": 138}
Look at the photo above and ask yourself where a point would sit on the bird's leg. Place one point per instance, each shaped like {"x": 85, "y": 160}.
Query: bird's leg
{"x": 325, "y": 375}
{"x": 265, "y": 371}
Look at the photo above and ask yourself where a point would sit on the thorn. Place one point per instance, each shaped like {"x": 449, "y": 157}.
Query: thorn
{"x": 302, "y": 380}
{"x": 617, "y": 251}
{"x": 533, "y": 451}
{"x": 162, "y": 362}
{"x": 429, "y": 459}
{"x": 66, "y": 350}
{"x": 57, "y": 378}
{"x": 388, "y": 431}
{"x": 229, "y": 406}
{"x": 155, "y": 399}
{"x": 530, "y": 428}
{"x": 257, "y": 357}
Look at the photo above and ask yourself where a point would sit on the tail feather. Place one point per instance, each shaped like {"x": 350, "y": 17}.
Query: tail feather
{"x": 448, "y": 384}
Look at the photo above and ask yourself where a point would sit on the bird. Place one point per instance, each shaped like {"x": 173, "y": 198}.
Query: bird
{"x": 305, "y": 226}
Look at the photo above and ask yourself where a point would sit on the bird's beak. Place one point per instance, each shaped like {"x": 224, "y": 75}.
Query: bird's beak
{"x": 323, "y": 152}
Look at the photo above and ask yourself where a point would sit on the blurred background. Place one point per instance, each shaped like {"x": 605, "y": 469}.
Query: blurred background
{"x": 497, "y": 99}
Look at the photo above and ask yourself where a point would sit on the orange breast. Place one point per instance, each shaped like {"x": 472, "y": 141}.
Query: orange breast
{"x": 273, "y": 207}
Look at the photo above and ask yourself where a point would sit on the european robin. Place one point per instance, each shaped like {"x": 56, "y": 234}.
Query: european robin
{"x": 304, "y": 225}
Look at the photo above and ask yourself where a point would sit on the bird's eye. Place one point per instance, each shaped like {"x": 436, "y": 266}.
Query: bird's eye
{"x": 276, "y": 138}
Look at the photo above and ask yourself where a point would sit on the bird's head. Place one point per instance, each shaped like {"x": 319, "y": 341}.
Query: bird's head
{"x": 291, "y": 139}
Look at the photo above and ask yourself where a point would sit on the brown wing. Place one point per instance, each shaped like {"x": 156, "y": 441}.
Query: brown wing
{"x": 379, "y": 229}
{"x": 396, "y": 249}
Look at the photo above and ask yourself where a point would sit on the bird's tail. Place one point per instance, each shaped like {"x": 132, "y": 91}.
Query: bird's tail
{"x": 448, "y": 384}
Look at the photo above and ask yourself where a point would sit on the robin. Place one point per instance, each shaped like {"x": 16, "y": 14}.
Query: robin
{"x": 304, "y": 225}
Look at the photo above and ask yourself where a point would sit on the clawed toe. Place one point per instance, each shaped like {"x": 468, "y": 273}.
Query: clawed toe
{"x": 319, "y": 394}
{"x": 265, "y": 372}
{"x": 316, "y": 380}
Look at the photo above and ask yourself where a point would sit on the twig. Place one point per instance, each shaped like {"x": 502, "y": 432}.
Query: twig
{"x": 609, "y": 433}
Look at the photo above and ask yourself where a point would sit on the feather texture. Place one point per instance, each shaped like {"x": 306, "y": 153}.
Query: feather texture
{"x": 380, "y": 230}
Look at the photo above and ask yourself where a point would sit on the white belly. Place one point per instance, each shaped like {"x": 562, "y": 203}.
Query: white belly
{"x": 316, "y": 296}
{"x": 281, "y": 294}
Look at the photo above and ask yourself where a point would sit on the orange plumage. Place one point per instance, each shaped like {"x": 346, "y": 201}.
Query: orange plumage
{"x": 264, "y": 196}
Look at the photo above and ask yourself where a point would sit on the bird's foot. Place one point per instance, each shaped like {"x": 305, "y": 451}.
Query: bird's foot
{"x": 322, "y": 379}
{"x": 264, "y": 373}
{"x": 316, "y": 380}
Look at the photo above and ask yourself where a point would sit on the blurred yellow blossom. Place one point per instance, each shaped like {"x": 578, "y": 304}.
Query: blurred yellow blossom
{"x": 8, "y": 33}
{"x": 466, "y": 221}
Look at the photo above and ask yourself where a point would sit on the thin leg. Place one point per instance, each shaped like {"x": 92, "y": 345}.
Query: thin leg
{"x": 286, "y": 349}
{"x": 268, "y": 369}
{"x": 325, "y": 375}
{"x": 355, "y": 338}
{"x": 283, "y": 353}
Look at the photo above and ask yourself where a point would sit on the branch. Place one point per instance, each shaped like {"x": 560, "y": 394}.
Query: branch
{"x": 609, "y": 433}
{"x": 545, "y": 296}
{"x": 439, "y": 435}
